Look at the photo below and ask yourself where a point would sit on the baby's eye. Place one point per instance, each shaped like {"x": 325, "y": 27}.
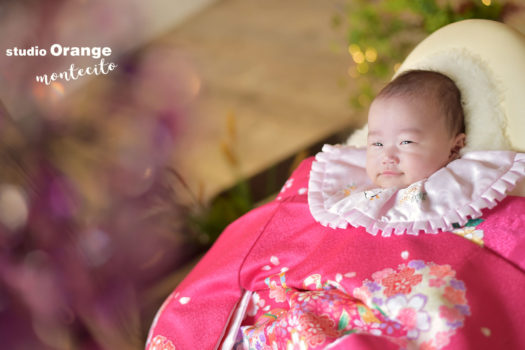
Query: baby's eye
{"x": 406, "y": 142}
{"x": 377, "y": 144}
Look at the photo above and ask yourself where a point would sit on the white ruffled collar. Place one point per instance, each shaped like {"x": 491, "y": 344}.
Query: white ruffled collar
{"x": 339, "y": 192}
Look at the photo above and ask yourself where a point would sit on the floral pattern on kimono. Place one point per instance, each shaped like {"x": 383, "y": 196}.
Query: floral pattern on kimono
{"x": 277, "y": 266}
{"x": 418, "y": 306}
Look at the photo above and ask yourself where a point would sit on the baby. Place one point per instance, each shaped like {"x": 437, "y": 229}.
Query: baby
{"x": 329, "y": 264}
{"x": 416, "y": 126}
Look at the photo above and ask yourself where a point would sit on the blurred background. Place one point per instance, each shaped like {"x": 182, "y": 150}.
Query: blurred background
{"x": 113, "y": 186}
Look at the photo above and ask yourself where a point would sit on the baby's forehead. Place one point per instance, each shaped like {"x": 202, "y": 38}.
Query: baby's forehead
{"x": 402, "y": 114}
{"x": 423, "y": 96}
{"x": 383, "y": 104}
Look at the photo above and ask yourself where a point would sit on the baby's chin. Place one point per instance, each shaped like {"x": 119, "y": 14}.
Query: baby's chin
{"x": 387, "y": 183}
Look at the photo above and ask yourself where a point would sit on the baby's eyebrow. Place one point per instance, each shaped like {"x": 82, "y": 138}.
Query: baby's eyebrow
{"x": 401, "y": 131}
{"x": 411, "y": 130}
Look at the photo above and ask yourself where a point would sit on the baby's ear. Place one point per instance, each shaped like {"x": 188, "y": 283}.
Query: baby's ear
{"x": 459, "y": 143}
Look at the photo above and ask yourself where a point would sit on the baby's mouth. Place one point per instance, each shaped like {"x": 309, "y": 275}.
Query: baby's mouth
{"x": 391, "y": 173}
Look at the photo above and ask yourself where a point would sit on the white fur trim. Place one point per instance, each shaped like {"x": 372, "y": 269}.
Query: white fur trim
{"x": 485, "y": 118}
{"x": 481, "y": 97}
{"x": 358, "y": 137}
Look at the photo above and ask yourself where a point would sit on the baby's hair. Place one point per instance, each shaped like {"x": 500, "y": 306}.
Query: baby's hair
{"x": 434, "y": 85}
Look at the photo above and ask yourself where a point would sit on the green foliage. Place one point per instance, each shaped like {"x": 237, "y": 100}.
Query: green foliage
{"x": 222, "y": 211}
{"x": 343, "y": 321}
{"x": 207, "y": 219}
{"x": 381, "y": 33}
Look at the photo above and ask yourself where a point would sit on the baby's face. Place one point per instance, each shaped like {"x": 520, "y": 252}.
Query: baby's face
{"x": 408, "y": 140}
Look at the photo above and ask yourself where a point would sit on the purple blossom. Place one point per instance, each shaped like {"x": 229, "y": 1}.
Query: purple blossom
{"x": 377, "y": 301}
{"x": 416, "y": 264}
{"x": 455, "y": 324}
{"x": 457, "y": 284}
{"x": 372, "y": 286}
{"x": 464, "y": 309}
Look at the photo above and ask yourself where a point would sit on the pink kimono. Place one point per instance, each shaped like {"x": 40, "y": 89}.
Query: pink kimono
{"x": 331, "y": 263}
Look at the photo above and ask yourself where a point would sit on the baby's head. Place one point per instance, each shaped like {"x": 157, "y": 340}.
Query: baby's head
{"x": 415, "y": 127}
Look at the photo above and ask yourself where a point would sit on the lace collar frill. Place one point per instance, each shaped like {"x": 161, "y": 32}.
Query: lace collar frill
{"x": 341, "y": 194}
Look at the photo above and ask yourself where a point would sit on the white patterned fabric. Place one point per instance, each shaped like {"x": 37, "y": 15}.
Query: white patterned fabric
{"x": 341, "y": 194}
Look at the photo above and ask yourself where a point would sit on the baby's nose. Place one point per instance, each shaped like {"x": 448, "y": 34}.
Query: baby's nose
{"x": 390, "y": 157}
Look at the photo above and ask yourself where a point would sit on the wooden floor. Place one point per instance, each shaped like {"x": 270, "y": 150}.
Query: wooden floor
{"x": 275, "y": 71}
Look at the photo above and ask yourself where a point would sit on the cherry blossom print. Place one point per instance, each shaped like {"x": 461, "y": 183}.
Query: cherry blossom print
{"x": 317, "y": 328}
{"x": 418, "y": 305}
{"x": 277, "y": 293}
{"x": 410, "y": 313}
{"x": 455, "y": 296}
{"x": 401, "y": 282}
{"x": 161, "y": 343}
{"x": 424, "y": 298}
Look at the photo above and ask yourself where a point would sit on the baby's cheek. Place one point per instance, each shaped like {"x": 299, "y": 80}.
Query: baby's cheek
{"x": 425, "y": 168}
{"x": 371, "y": 167}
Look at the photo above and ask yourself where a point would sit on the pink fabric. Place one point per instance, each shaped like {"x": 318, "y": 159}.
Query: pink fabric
{"x": 470, "y": 289}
